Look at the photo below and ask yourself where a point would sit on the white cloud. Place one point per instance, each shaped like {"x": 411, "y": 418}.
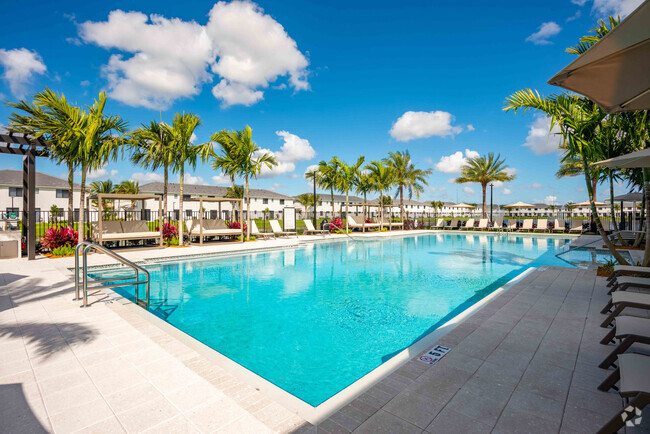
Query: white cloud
{"x": 20, "y": 66}
{"x": 100, "y": 173}
{"x": 533, "y": 185}
{"x": 468, "y": 190}
{"x": 418, "y": 125}
{"x": 545, "y": 31}
{"x": 221, "y": 179}
{"x": 437, "y": 189}
{"x": 510, "y": 171}
{"x": 146, "y": 177}
{"x": 579, "y": 2}
{"x": 85, "y": 83}
{"x": 574, "y": 17}
{"x": 550, "y": 200}
{"x": 454, "y": 162}
{"x": 294, "y": 148}
{"x": 615, "y": 7}
{"x": 470, "y": 127}
{"x": 275, "y": 186}
{"x": 191, "y": 179}
{"x": 506, "y": 191}
{"x": 541, "y": 138}
{"x": 307, "y": 170}
{"x": 164, "y": 59}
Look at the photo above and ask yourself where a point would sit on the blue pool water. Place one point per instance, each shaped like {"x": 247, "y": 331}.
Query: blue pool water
{"x": 314, "y": 319}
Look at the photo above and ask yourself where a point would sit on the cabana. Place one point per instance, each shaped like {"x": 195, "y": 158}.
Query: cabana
{"x": 214, "y": 228}
{"x": 127, "y": 230}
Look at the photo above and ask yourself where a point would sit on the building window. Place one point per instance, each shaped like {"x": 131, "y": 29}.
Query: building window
{"x": 281, "y": 201}
{"x": 187, "y": 197}
{"x": 62, "y": 194}
{"x": 265, "y": 201}
{"x": 15, "y": 192}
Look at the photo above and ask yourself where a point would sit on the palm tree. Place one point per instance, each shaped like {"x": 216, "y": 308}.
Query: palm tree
{"x": 328, "y": 177}
{"x": 382, "y": 179}
{"x": 345, "y": 178}
{"x": 51, "y": 117}
{"x": 235, "y": 192}
{"x": 227, "y": 160}
{"x": 407, "y": 177}
{"x": 152, "y": 150}
{"x": 248, "y": 161}
{"x": 129, "y": 187}
{"x": 436, "y": 205}
{"x": 484, "y": 170}
{"x": 306, "y": 200}
{"x": 102, "y": 187}
{"x": 363, "y": 185}
{"x": 184, "y": 152}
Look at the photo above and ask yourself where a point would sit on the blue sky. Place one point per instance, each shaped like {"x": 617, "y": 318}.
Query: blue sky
{"x": 316, "y": 79}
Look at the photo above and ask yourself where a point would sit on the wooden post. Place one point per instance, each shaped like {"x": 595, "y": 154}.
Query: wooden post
{"x": 241, "y": 219}
{"x": 29, "y": 204}
{"x": 160, "y": 221}
{"x": 100, "y": 218}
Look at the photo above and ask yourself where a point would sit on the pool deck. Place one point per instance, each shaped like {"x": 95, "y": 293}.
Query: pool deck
{"x": 524, "y": 362}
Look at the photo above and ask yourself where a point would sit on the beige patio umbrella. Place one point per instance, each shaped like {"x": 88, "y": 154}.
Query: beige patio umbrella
{"x": 638, "y": 159}
{"x": 615, "y": 72}
{"x": 587, "y": 203}
{"x": 463, "y": 205}
{"x": 519, "y": 205}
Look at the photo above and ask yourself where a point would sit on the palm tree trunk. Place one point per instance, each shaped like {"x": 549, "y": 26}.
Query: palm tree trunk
{"x": 612, "y": 211}
{"x": 594, "y": 187}
{"x": 180, "y": 208}
{"x": 70, "y": 195}
{"x": 381, "y": 211}
{"x": 332, "y": 197}
{"x": 401, "y": 202}
{"x": 346, "y": 210}
{"x": 646, "y": 195}
{"x": 165, "y": 179}
{"x": 594, "y": 214}
{"x": 484, "y": 187}
{"x": 82, "y": 199}
{"x": 248, "y": 212}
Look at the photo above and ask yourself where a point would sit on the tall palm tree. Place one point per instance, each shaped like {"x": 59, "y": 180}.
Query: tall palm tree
{"x": 383, "y": 179}
{"x": 407, "y": 177}
{"x": 363, "y": 185}
{"x": 346, "y": 174}
{"x": 484, "y": 170}
{"x": 184, "y": 153}
{"x": 313, "y": 175}
{"x": 248, "y": 160}
{"x": 327, "y": 178}
{"x": 151, "y": 145}
{"x": 227, "y": 161}
{"x": 51, "y": 117}
{"x": 129, "y": 187}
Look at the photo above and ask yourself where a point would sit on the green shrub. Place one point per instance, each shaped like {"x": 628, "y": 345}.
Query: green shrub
{"x": 63, "y": 251}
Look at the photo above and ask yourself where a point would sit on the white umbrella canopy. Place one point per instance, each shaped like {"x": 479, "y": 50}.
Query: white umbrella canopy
{"x": 463, "y": 205}
{"x": 587, "y": 203}
{"x": 638, "y": 159}
{"x": 519, "y": 205}
{"x": 615, "y": 72}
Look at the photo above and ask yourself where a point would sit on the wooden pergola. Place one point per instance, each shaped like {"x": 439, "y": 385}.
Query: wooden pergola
{"x": 29, "y": 148}
{"x": 218, "y": 200}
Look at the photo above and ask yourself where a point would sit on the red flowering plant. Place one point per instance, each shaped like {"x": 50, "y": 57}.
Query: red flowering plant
{"x": 236, "y": 225}
{"x": 336, "y": 224}
{"x": 58, "y": 237}
{"x": 169, "y": 232}
{"x": 368, "y": 221}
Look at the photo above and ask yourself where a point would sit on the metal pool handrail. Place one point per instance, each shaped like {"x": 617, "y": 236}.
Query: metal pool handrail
{"x": 88, "y": 246}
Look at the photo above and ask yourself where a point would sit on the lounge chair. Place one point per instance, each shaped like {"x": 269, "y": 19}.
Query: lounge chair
{"x": 621, "y": 270}
{"x": 527, "y": 226}
{"x": 559, "y": 225}
{"x": 623, "y": 282}
{"x": 633, "y": 376}
{"x": 257, "y": 234}
{"x": 440, "y": 224}
{"x": 353, "y": 223}
{"x": 115, "y": 230}
{"x": 482, "y": 225}
{"x": 624, "y": 299}
{"x": 468, "y": 225}
{"x": 210, "y": 228}
{"x": 512, "y": 225}
{"x": 311, "y": 230}
{"x": 497, "y": 225}
{"x": 453, "y": 224}
{"x": 576, "y": 226}
{"x": 542, "y": 225}
{"x": 629, "y": 330}
{"x": 277, "y": 230}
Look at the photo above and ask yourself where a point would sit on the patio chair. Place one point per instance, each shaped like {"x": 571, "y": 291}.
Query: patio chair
{"x": 440, "y": 224}
{"x": 512, "y": 225}
{"x": 629, "y": 330}
{"x": 277, "y": 230}
{"x": 527, "y": 226}
{"x": 468, "y": 225}
{"x": 559, "y": 225}
{"x": 453, "y": 224}
{"x": 542, "y": 225}
{"x": 256, "y": 232}
{"x": 621, "y": 270}
{"x": 623, "y": 282}
{"x": 497, "y": 225}
{"x": 576, "y": 226}
{"x": 482, "y": 225}
{"x": 311, "y": 230}
{"x": 633, "y": 376}
{"x": 624, "y": 299}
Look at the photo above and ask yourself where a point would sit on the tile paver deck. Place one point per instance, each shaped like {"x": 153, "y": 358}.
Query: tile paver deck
{"x": 525, "y": 362}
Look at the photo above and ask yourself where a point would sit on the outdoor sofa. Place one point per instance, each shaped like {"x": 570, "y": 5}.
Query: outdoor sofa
{"x": 116, "y": 230}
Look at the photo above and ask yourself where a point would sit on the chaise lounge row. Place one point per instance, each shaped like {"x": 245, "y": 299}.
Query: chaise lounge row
{"x": 511, "y": 225}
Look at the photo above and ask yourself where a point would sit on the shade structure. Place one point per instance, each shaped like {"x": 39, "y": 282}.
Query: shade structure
{"x": 587, "y": 203}
{"x": 519, "y": 205}
{"x": 629, "y": 197}
{"x": 632, "y": 160}
{"x": 464, "y": 205}
{"x": 615, "y": 72}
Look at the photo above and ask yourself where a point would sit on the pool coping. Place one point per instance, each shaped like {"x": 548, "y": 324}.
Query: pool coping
{"x": 309, "y": 413}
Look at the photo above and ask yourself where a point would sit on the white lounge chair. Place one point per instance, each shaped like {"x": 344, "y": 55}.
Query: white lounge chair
{"x": 468, "y": 225}
{"x": 576, "y": 226}
{"x": 512, "y": 225}
{"x": 440, "y": 224}
{"x": 497, "y": 225}
{"x": 311, "y": 230}
{"x": 527, "y": 226}
{"x": 629, "y": 330}
{"x": 256, "y": 232}
{"x": 622, "y": 300}
{"x": 542, "y": 225}
{"x": 482, "y": 225}
{"x": 559, "y": 225}
{"x": 277, "y": 230}
{"x": 453, "y": 224}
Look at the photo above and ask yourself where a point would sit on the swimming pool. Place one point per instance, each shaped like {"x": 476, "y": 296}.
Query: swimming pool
{"x": 314, "y": 319}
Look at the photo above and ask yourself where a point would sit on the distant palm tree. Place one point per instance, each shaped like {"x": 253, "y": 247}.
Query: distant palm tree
{"x": 363, "y": 185}
{"x": 306, "y": 200}
{"x": 382, "y": 179}
{"x": 183, "y": 153}
{"x": 407, "y": 177}
{"x": 484, "y": 170}
{"x": 235, "y": 192}
{"x": 313, "y": 175}
{"x": 129, "y": 187}
{"x": 436, "y": 205}
{"x": 346, "y": 175}
{"x": 102, "y": 187}
{"x": 152, "y": 150}
{"x": 327, "y": 179}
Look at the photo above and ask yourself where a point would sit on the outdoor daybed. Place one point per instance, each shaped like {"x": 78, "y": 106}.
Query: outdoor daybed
{"x": 352, "y": 223}
{"x": 210, "y": 228}
{"x": 115, "y": 230}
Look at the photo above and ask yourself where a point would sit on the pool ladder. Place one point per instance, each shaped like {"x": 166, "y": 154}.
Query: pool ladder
{"x": 106, "y": 283}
